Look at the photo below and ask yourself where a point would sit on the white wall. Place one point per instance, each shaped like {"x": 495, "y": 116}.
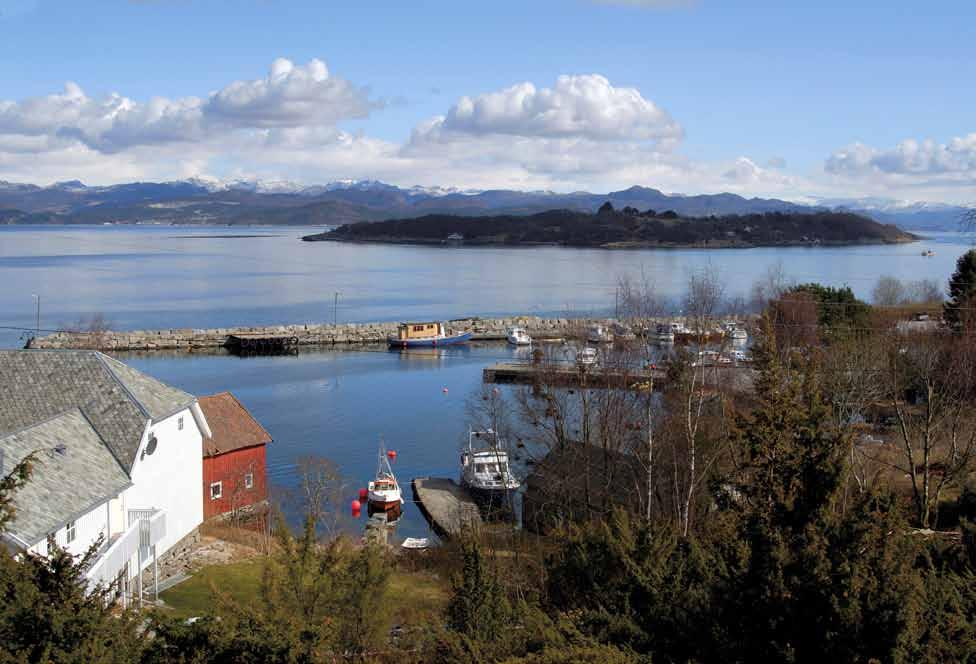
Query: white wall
{"x": 171, "y": 478}
{"x": 88, "y": 528}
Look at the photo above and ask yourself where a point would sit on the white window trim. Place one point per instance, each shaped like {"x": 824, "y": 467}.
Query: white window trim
{"x": 248, "y": 480}
{"x": 70, "y": 532}
{"x": 220, "y": 490}
{"x": 179, "y": 423}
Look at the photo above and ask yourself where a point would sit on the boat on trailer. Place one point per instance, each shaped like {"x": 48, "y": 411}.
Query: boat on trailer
{"x": 485, "y": 472}
{"x": 384, "y": 491}
{"x": 425, "y": 335}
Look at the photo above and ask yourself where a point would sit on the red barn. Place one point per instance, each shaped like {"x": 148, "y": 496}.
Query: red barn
{"x": 234, "y": 469}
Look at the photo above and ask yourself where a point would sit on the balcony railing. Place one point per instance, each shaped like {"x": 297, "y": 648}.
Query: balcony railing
{"x": 145, "y": 528}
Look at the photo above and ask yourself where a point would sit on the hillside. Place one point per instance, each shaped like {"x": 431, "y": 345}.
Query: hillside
{"x": 345, "y": 202}
{"x": 628, "y": 228}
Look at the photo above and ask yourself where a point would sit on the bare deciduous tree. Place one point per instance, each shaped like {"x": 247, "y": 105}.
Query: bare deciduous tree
{"x": 929, "y": 380}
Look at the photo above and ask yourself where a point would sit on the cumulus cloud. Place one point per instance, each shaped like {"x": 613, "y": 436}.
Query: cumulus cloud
{"x": 910, "y": 157}
{"x": 584, "y": 106}
{"x": 289, "y": 96}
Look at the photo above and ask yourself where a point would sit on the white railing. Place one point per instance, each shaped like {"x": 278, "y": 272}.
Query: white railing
{"x": 145, "y": 528}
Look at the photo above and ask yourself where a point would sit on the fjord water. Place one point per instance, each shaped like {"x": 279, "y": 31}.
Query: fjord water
{"x": 338, "y": 403}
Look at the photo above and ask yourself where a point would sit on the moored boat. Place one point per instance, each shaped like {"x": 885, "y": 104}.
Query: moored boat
{"x": 384, "y": 491}
{"x": 598, "y": 334}
{"x": 426, "y": 334}
{"x": 664, "y": 334}
{"x": 485, "y": 472}
{"x": 517, "y": 336}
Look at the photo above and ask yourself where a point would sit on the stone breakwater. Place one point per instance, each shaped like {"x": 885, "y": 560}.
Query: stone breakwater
{"x": 310, "y": 334}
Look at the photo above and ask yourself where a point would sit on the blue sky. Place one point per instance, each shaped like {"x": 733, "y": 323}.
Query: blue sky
{"x": 768, "y": 98}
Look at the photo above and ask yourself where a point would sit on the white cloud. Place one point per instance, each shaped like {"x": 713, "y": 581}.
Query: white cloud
{"x": 910, "y": 157}
{"x": 584, "y": 106}
{"x": 290, "y": 96}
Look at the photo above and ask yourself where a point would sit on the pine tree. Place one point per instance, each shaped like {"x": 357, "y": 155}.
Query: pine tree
{"x": 962, "y": 289}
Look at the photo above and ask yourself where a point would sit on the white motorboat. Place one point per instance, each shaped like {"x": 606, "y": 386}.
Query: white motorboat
{"x": 484, "y": 466}
{"x": 738, "y": 334}
{"x": 384, "y": 491}
{"x": 517, "y": 336}
{"x": 598, "y": 334}
{"x": 664, "y": 334}
{"x": 587, "y": 357}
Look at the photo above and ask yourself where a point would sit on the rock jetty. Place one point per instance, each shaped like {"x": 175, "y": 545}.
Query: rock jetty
{"x": 309, "y": 334}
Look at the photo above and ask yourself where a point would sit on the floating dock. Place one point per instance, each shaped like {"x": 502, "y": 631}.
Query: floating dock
{"x": 735, "y": 378}
{"x": 447, "y": 506}
{"x": 569, "y": 374}
{"x": 248, "y": 344}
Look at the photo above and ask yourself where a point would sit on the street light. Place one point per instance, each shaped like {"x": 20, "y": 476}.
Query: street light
{"x": 335, "y": 310}
{"x": 37, "y": 319}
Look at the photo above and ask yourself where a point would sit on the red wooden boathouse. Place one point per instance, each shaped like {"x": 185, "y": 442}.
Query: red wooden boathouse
{"x": 234, "y": 468}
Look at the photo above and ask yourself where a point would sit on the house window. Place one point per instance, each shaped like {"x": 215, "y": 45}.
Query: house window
{"x": 249, "y": 480}
{"x": 216, "y": 490}
{"x": 70, "y": 532}
{"x": 179, "y": 423}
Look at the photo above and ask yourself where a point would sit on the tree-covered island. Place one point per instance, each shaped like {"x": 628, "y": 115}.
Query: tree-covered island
{"x": 626, "y": 228}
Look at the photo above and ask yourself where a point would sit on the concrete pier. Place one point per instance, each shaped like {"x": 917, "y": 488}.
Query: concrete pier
{"x": 307, "y": 334}
{"x": 446, "y": 505}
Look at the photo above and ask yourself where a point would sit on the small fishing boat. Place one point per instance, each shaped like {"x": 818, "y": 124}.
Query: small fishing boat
{"x": 738, "y": 334}
{"x": 587, "y": 357}
{"x": 928, "y": 252}
{"x": 597, "y": 334}
{"x": 664, "y": 334}
{"x": 420, "y": 335}
{"x": 484, "y": 467}
{"x": 517, "y": 336}
{"x": 416, "y": 543}
{"x": 384, "y": 491}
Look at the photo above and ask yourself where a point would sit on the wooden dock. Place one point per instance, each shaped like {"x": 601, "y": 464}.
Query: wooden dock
{"x": 570, "y": 374}
{"x": 448, "y": 507}
{"x": 736, "y": 378}
{"x": 248, "y": 344}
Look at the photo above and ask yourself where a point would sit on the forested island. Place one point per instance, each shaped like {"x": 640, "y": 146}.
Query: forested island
{"x": 626, "y": 228}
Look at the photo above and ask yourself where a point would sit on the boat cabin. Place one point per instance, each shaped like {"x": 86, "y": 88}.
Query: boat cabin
{"x": 408, "y": 331}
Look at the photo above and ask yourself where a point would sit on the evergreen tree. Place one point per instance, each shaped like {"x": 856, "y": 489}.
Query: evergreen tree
{"x": 48, "y": 613}
{"x": 962, "y": 289}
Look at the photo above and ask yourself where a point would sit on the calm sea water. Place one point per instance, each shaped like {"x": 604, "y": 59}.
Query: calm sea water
{"x": 338, "y": 403}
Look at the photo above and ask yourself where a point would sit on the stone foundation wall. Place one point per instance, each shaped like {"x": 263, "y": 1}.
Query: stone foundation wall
{"x": 308, "y": 334}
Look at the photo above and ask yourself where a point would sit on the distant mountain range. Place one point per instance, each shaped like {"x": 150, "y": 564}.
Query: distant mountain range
{"x": 207, "y": 201}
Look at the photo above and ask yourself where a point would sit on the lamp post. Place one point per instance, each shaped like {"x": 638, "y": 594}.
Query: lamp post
{"x": 335, "y": 310}
{"x": 37, "y": 318}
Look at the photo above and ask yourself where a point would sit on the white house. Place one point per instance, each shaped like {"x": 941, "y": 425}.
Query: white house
{"x": 118, "y": 457}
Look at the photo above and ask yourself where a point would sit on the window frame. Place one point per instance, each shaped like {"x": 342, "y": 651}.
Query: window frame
{"x": 219, "y": 484}
{"x": 249, "y": 480}
{"x": 179, "y": 423}
{"x": 70, "y": 532}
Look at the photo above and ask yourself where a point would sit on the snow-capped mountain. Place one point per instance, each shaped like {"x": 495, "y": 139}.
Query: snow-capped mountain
{"x": 211, "y": 200}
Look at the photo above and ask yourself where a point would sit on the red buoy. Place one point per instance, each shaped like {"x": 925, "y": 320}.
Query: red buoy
{"x": 356, "y": 506}
{"x": 363, "y": 494}
{"x": 391, "y": 454}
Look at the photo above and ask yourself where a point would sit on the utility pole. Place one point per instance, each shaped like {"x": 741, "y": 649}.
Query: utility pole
{"x": 37, "y": 319}
{"x": 335, "y": 310}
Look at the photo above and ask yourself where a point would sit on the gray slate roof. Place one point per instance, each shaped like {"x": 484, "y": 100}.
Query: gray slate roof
{"x": 62, "y": 486}
{"x": 117, "y": 400}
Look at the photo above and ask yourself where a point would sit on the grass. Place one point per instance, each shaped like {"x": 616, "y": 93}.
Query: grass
{"x": 194, "y": 597}
{"x": 416, "y": 597}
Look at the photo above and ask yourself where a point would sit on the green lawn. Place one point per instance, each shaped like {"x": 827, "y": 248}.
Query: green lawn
{"x": 194, "y": 596}
{"x": 416, "y": 596}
